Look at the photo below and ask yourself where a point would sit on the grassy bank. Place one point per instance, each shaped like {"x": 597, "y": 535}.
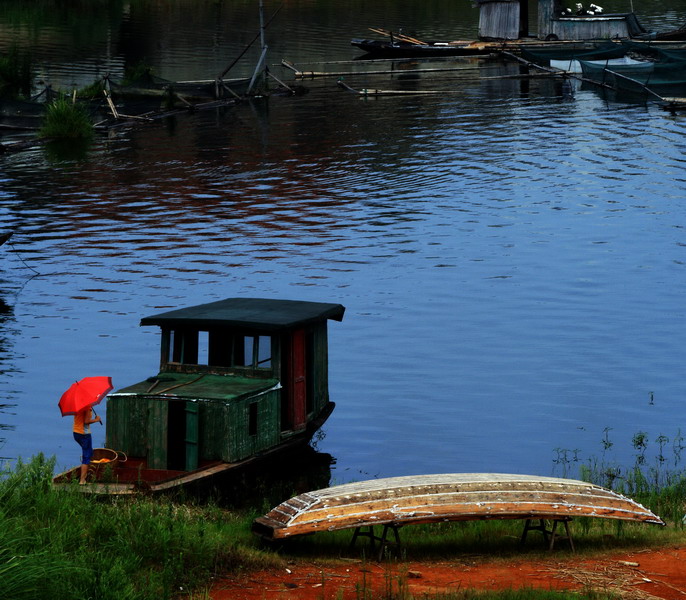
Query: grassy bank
{"x": 63, "y": 544}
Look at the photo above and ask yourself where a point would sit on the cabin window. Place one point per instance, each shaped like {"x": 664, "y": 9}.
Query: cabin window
{"x": 203, "y": 347}
{"x": 252, "y": 418}
{"x": 264, "y": 358}
{"x": 218, "y": 348}
{"x": 257, "y": 352}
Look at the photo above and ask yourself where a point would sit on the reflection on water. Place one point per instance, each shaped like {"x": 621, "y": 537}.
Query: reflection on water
{"x": 510, "y": 251}
{"x": 272, "y": 481}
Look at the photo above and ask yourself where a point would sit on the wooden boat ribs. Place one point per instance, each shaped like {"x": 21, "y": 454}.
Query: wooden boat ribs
{"x": 448, "y": 497}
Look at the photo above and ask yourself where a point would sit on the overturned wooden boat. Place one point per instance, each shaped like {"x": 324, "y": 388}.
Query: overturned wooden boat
{"x": 398, "y": 501}
{"x": 240, "y": 379}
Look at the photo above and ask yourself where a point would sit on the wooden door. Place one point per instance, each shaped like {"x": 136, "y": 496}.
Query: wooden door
{"x": 296, "y": 385}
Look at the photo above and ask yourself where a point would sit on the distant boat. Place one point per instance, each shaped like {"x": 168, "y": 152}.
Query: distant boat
{"x": 398, "y": 48}
{"x": 240, "y": 379}
{"x": 504, "y": 24}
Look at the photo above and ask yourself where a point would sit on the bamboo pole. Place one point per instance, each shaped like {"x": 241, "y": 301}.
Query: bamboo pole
{"x": 313, "y": 74}
{"x": 113, "y": 108}
{"x": 260, "y": 62}
{"x": 260, "y": 34}
{"x": 281, "y": 83}
{"x": 554, "y": 71}
{"x": 375, "y": 92}
{"x": 398, "y": 36}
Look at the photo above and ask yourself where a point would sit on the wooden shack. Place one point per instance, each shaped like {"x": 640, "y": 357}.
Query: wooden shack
{"x": 503, "y": 19}
{"x": 237, "y": 377}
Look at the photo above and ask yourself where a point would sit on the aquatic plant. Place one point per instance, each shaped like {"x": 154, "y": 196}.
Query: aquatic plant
{"x": 65, "y": 119}
{"x": 658, "y": 482}
{"x": 92, "y": 91}
{"x": 134, "y": 74}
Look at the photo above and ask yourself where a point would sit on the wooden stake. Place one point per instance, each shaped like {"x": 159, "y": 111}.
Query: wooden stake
{"x": 113, "y": 108}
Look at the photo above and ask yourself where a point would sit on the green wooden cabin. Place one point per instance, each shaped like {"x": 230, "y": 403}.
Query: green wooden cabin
{"x": 237, "y": 377}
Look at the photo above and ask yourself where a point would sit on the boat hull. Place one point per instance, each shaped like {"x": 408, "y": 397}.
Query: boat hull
{"x": 445, "y": 497}
{"x": 387, "y": 49}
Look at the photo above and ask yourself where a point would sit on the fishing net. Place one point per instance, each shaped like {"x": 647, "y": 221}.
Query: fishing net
{"x": 603, "y": 50}
{"x": 661, "y": 78}
{"x": 661, "y": 54}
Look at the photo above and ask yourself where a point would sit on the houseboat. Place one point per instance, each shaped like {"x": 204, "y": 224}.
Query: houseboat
{"x": 239, "y": 379}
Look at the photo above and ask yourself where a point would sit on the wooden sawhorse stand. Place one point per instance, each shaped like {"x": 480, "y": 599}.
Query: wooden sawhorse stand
{"x": 549, "y": 535}
{"x": 384, "y": 541}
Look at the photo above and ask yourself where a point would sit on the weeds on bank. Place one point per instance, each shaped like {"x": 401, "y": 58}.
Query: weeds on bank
{"x": 63, "y": 544}
{"x": 401, "y": 592}
{"x": 657, "y": 479}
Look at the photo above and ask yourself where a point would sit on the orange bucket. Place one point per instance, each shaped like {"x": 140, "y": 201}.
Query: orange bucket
{"x": 104, "y": 457}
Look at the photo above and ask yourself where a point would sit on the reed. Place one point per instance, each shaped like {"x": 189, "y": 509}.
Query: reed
{"x": 656, "y": 479}
{"x": 66, "y": 120}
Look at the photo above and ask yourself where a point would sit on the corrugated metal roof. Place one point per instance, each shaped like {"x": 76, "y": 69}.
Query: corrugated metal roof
{"x": 251, "y": 313}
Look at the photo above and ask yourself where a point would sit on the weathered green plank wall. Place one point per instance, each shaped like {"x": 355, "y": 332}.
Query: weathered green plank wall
{"x": 158, "y": 429}
{"x": 126, "y": 425}
{"x": 224, "y": 429}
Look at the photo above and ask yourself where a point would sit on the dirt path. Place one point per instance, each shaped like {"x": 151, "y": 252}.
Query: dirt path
{"x": 639, "y": 575}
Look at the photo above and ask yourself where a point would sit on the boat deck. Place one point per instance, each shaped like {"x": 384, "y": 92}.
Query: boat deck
{"x": 133, "y": 476}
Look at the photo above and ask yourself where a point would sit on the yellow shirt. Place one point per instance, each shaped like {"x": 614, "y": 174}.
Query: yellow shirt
{"x": 80, "y": 425}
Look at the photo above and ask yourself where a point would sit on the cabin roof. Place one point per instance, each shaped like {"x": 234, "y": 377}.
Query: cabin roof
{"x": 250, "y": 313}
{"x": 204, "y": 387}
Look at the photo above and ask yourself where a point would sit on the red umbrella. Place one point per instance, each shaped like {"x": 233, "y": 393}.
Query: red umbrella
{"x": 82, "y": 394}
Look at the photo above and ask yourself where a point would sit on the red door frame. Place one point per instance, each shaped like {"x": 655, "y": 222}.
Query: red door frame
{"x": 297, "y": 380}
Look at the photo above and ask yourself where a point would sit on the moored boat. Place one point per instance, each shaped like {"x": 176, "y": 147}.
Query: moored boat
{"x": 239, "y": 379}
{"x": 504, "y": 24}
{"x": 405, "y": 49}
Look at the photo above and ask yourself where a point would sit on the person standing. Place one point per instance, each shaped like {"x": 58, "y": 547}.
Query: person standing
{"x": 82, "y": 434}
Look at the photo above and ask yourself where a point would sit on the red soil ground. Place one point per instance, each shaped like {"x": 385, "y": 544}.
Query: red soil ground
{"x": 637, "y": 575}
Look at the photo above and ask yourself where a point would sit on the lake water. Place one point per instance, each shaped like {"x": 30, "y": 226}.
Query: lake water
{"x": 511, "y": 253}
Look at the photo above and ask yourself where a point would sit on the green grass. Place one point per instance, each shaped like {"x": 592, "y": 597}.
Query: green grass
{"x": 63, "y": 544}
{"x": 398, "y": 591}
{"x": 66, "y": 120}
